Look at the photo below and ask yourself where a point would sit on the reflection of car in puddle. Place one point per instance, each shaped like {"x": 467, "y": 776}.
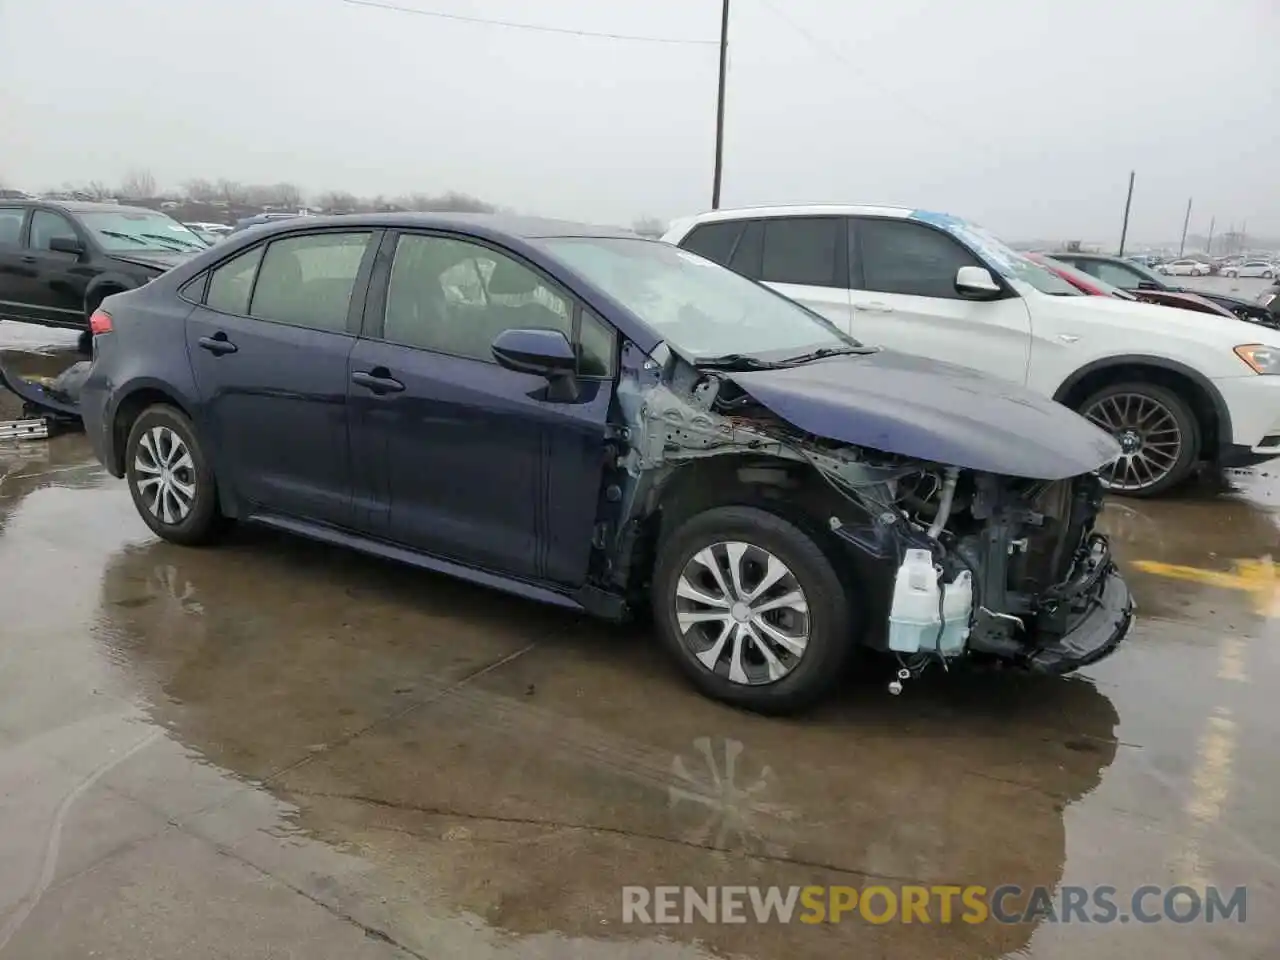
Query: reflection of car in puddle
{"x": 521, "y": 806}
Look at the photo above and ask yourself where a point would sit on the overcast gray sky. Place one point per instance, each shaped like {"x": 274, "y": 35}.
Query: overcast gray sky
{"x": 1025, "y": 115}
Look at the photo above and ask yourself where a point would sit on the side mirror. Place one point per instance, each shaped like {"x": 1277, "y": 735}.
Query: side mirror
{"x": 546, "y": 353}
{"x": 977, "y": 282}
{"x": 66, "y": 245}
{"x": 1147, "y": 285}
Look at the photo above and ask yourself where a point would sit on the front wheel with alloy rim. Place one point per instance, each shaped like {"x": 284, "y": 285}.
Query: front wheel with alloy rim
{"x": 170, "y": 479}
{"x": 1158, "y": 434}
{"x": 752, "y": 609}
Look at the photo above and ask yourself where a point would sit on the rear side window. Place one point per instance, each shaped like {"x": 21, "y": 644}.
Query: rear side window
{"x": 715, "y": 241}
{"x": 908, "y": 258}
{"x": 801, "y": 250}
{"x": 11, "y": 225}
{"x": 231, "y": 283}
{"x": 307, "y": 281}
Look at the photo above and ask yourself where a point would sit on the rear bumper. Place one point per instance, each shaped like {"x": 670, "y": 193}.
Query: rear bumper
{"x": 1098, "y": 621}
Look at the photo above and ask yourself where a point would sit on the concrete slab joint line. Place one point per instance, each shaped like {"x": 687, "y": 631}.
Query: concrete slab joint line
{"x": 54, "y": 841}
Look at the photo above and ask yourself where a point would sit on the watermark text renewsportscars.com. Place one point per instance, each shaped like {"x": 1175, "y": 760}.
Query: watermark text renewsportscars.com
{"x": 943, "y": 904}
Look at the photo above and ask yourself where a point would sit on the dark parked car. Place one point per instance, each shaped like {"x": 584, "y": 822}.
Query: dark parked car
{"x": 1269, "y": 300}
{"x": 1088, "y": 283}
{"x": 1136, "y": 278}
{"x": 59, "y": 260}
{"x": 603, "y": 422}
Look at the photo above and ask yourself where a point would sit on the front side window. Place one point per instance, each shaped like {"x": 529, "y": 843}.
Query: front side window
{"x": 907, "y": 258}
{"x": 134, "y": 231}
{"x": 46, "y": 226}
{"x": 801, "y": 250}
{"x": 11, "y": 225}
{"x": 307, "y": 281}
{"x": 456, "y": 297}
{"x": 231, "y": 283}
{"x": 702, "y": 309}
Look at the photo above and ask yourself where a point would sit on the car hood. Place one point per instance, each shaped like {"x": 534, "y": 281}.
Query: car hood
{"x": 1210, "y": 329}
{"x": 159, "y": 260}
{"x": 927, "y": 410}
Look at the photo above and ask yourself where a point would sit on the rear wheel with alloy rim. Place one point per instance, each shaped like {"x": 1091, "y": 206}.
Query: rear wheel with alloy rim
{"x": 1158, "y": 435}
{"x": 169, "y": 478}
{"x": 752, "y": 609}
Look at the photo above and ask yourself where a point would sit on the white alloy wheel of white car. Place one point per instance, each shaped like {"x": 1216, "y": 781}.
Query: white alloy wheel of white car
{"x": 1174, "y": 387}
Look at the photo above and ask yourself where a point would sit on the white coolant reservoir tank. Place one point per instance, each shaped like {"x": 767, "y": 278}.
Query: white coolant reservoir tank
{"x": 957, "y": 609}
{"x": 913, "y": 618}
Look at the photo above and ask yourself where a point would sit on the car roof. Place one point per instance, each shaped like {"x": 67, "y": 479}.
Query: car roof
{"x": 86, "y": 206}
{"x": 528, "y": 228}
{"x": 802, "y": 210}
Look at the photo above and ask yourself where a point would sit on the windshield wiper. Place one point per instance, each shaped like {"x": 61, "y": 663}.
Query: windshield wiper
{"x": 824, "y": 352}
{"x": 140, "y": 240}
{"x": 186, "y": 244}
{"x": 735, "y": 361}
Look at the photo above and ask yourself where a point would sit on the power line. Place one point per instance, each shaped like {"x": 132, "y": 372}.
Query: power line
{"x": 835, "y": 52}
{"x": 535, "y": 27}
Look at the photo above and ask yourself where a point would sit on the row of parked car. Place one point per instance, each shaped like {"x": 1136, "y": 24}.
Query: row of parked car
{"x": 789, "y": 432}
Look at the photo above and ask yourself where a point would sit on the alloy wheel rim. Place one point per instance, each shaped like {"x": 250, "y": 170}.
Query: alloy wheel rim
{"x": 1149, "y": 437}
{"x": 742, "y": 613}
{"x": 165, "y": 475}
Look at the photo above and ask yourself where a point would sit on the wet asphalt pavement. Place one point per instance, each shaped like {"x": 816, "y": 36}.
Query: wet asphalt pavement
{"x": 276, "y": 749}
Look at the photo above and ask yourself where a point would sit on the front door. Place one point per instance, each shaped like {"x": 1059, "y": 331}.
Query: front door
{"x": 269, "y": 346}
{"x": 904, "y": 297}
{"x": 59, "y": 279}
{"x": 455, "y": 455}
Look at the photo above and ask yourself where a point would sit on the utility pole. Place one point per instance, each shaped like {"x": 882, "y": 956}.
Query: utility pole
{"x": 1124, "y": 229}
{"x": 724, "y": 63}
{"x": 1244, "y": 238}
{"x": 1185, "y": 222}
{"x": 1212, "y": 222}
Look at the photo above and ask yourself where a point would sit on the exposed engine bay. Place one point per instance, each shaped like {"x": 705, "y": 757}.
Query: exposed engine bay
{"x": 974, "y": 563}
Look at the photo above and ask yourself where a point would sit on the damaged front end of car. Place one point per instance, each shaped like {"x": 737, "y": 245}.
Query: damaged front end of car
{"x": 948, "y": 558}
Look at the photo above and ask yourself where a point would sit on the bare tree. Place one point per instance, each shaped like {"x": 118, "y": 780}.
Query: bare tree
{"x": 138, "y": 184}
{"x": 338, "y": 201}
{"x": 232, "y": 191}
{"x": 649, "y": 227}
{"x": 201, "y": 191}
{"x": 451, "y": 202}
{"x": 287, "y": 194}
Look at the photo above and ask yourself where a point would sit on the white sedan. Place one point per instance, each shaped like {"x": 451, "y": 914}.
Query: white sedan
{"x": 1251, "y": 268}
{"x": 1185, "y": 268}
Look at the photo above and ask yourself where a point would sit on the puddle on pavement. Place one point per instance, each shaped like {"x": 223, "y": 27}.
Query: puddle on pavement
{"x": 482, "y": 775}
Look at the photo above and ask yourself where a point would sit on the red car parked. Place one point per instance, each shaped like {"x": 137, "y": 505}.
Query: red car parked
{"x": 1100, "y": 288}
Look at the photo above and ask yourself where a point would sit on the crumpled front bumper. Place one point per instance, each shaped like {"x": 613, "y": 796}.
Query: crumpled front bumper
{"x": 1097, "y": 612}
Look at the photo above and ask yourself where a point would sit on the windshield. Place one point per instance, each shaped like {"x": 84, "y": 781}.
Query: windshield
{"x": 700, "y": 308}
{"x": 131, "y": 231}
{"x": 1146, "y": 273}
{"x": 999, "y": 256}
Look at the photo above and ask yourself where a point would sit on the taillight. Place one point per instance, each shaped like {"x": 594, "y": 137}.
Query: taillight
{"x": 100, "y": 322}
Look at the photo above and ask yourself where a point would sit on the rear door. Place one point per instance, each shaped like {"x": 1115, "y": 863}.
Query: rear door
{"x": 904, "y": 297}
{"x": 269, "y": 343}
{"x": 455, "y": 455}
{"x": 803, "y": 258}
{"x": 15, "y": 273}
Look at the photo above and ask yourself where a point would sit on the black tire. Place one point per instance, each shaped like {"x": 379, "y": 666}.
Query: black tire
{"x": 1180, "y": 412}
{"x": 1267, "y": 275}
{"x": 203, "y": 522}
{"x": 831, "y": 622}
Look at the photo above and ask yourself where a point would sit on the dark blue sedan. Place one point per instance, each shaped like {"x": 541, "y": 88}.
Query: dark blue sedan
{"x": 603, "y": 422}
